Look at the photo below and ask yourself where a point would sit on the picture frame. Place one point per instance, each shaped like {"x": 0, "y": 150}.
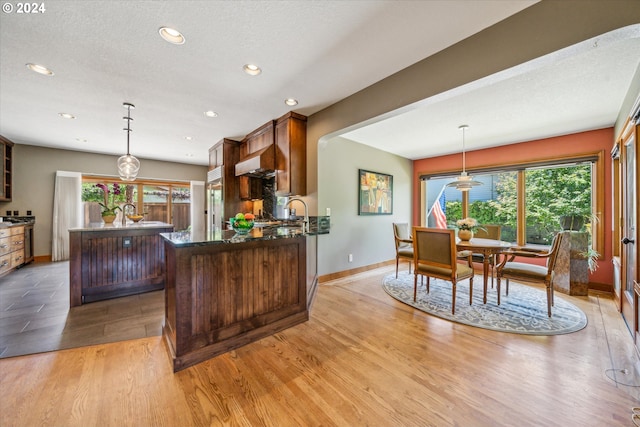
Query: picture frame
{"x": 375, "y": 193}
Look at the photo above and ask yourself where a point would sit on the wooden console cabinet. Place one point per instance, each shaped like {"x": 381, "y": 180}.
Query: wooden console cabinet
{"x": 11, "y": 248}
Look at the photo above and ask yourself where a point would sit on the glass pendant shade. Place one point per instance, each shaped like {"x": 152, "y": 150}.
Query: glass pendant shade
{"x": 464, "y": 182}
{"x": 128, "y": 165}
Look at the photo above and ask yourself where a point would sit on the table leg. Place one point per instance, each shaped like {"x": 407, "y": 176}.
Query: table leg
{"x": 485, "y": 276}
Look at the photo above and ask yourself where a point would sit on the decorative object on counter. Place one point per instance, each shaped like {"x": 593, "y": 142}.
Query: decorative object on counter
{"x": 109, "y": 218}
{"x": 135, "y": 218}
{"x": 464, "y": 182}
{"x": 242, "y": 223}
{"x": 109, "y": 207}
{"x": 128, "y": 165}
{"x": 466, "y": 228}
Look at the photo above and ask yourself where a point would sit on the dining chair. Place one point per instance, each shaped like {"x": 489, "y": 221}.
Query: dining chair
{"x": 488, "y": 231}
{"x": 404, "y": 244}
{"x": 530, "y": 273}
{"x": 435, "y": 255}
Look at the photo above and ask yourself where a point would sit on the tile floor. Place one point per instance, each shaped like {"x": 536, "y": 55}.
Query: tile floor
{"x": 35, "y": 316}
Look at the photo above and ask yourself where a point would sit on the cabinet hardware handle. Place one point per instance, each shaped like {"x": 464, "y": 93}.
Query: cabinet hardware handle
{"x": 627, "y": 240}
{"x": 4, "y": 263}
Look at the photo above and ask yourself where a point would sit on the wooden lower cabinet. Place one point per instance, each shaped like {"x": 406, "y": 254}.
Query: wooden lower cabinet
{"x": 113, "y": 262}
{"x": 219, "y": 297}
{"x": 11, "y": 248}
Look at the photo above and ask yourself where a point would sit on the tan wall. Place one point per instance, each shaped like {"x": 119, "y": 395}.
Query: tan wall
{"x": 541, "y": 29}
{"x": 34, "y": 170}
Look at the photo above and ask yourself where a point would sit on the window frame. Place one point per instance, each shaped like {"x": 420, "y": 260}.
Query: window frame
{"x": 597, "y": 188}
{"x": 140, "y": 183}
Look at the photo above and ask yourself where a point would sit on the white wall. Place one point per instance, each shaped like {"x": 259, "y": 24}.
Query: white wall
{"x": 369, "y": 238}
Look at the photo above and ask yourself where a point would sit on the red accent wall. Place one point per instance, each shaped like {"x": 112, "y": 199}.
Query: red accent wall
{"x": 583, "y": 142}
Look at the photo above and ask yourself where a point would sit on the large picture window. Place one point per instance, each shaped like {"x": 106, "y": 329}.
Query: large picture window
{"x": 528, "y": 201}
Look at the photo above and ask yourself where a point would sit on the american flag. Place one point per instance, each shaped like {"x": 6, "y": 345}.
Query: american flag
{"x": 438, "y": 212}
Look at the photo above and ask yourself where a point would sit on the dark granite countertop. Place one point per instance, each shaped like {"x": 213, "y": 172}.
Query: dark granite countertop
{"x": 186, "y": 238}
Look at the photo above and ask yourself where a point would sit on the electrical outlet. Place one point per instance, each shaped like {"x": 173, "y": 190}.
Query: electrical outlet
{"x": 350, "y": 257}
{"x": 328, "y": 211}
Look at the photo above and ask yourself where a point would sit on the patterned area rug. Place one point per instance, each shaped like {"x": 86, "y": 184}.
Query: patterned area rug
{"x": 524, "y": 311}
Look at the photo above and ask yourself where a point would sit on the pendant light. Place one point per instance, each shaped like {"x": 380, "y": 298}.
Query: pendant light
{"x": 464, "y": 181}
{"x": 128, "y": 166}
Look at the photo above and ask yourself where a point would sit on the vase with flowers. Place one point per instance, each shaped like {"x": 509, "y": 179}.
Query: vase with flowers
{"x": 466, "y": 228}
{"x": 109, "y": 207}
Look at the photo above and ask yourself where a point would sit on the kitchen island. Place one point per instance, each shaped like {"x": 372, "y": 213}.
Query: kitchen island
{"x": 225, "y": 290}
{"x": 114, "y": 260}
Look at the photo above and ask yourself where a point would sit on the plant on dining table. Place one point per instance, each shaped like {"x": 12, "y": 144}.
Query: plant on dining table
{"x": 109, "y": 207}
{"x": 468, "y": 224}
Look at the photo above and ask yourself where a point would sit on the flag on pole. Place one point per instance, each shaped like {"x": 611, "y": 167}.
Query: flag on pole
{"x": 438, "y": 210}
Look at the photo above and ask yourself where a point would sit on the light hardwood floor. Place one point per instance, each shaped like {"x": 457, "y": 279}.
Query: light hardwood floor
{"x": 362, "y": 359}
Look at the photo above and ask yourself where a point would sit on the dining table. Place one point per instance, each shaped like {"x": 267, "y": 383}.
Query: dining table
{"x": 488, "y": 248}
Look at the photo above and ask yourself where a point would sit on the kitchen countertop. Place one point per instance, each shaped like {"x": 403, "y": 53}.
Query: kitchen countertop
{"x": 117, "y": 225}
{"x": 186, "y": 238}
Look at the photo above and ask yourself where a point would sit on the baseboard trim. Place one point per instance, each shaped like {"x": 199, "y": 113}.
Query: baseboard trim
{"x": 345, "y": 273}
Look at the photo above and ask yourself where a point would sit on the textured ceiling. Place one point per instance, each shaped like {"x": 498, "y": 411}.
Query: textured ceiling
{"x": 105, "y": 53}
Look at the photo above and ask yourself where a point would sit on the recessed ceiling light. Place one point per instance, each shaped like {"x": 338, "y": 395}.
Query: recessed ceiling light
{"x": 188, "y": 138}
{"x": 82, "y": 140}
{"x": 171, "y": 35}
{"x": 251, "y": 69}
{"x": 67, "y": 115}
{"x": 210, "y": 113}
{"x": 291, "y": 102}
{"x": 189, "y": 155}
{"x": 40, "y": 69}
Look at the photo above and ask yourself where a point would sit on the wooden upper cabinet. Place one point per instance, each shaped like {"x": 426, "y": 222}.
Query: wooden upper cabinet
{"x": 257, "y": 140}
{"x": 6, "y": 169}
{"x": 216, "y": 155}
{"x": 291, "y": 155}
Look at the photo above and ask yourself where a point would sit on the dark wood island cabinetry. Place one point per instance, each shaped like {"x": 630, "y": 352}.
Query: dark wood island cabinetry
{"x": 113, "y": 260}
{"x": 223, "y": 291}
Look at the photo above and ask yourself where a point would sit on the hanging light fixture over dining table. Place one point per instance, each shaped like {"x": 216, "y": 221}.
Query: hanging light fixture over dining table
{"x": 464, "y": 182}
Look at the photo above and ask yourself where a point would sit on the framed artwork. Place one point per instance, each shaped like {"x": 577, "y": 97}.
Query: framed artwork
{"x": 375, "y": 193}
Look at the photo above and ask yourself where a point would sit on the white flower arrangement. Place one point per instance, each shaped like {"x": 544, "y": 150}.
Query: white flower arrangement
{"x": 467, "y": 224}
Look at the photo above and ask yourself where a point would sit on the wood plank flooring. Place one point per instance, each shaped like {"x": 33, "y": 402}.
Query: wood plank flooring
{"x": 363, "y": 359}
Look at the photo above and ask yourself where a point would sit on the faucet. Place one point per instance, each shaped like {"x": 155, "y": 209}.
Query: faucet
{"x": 124, "y": 214}
{"x": 305, "y": 224}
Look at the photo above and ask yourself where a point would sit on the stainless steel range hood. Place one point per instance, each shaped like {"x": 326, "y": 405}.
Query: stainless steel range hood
{"x": 260, "y": 164}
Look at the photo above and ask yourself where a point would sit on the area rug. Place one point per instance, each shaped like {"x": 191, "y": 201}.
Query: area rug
{"x": 524, "y": 311}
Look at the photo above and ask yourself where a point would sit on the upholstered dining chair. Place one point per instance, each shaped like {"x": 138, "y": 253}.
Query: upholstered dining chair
{"x": 530, "y": 273}
{"x": 488, "y": 231}
{"x": 404, "y": 244}
{"x": 435, "y": 255}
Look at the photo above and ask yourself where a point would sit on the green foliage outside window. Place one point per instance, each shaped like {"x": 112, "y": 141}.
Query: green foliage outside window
{"x": 550, "y": 193}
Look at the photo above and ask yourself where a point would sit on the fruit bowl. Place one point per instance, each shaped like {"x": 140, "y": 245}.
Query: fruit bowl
{"x": 135, "y": 218}
{"x": 242, "y": 227}
{"x": 242, "y": 223}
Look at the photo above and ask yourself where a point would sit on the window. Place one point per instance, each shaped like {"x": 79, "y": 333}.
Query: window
{"x": 526, "y": 200}
{"x": 168, "y": 202}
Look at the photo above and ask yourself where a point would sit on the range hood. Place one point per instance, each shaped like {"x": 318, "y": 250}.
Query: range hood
{"x": 260, "y": 164}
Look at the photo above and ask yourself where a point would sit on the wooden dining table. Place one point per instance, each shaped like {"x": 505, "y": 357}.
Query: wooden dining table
{"x": 486, "y": 247}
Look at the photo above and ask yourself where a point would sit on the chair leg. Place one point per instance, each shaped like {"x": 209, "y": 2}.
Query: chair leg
{"x": 549, "y": 298}
{"x": 428, "y": 278}
{"x": 453, "y": 302}
{"x": 498, "y": 288}
{"x": 471, "y": 291}
{"x": 415, "y": 286}
{"x": 507, "y": 290}
{"x": 397, "y": 261}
